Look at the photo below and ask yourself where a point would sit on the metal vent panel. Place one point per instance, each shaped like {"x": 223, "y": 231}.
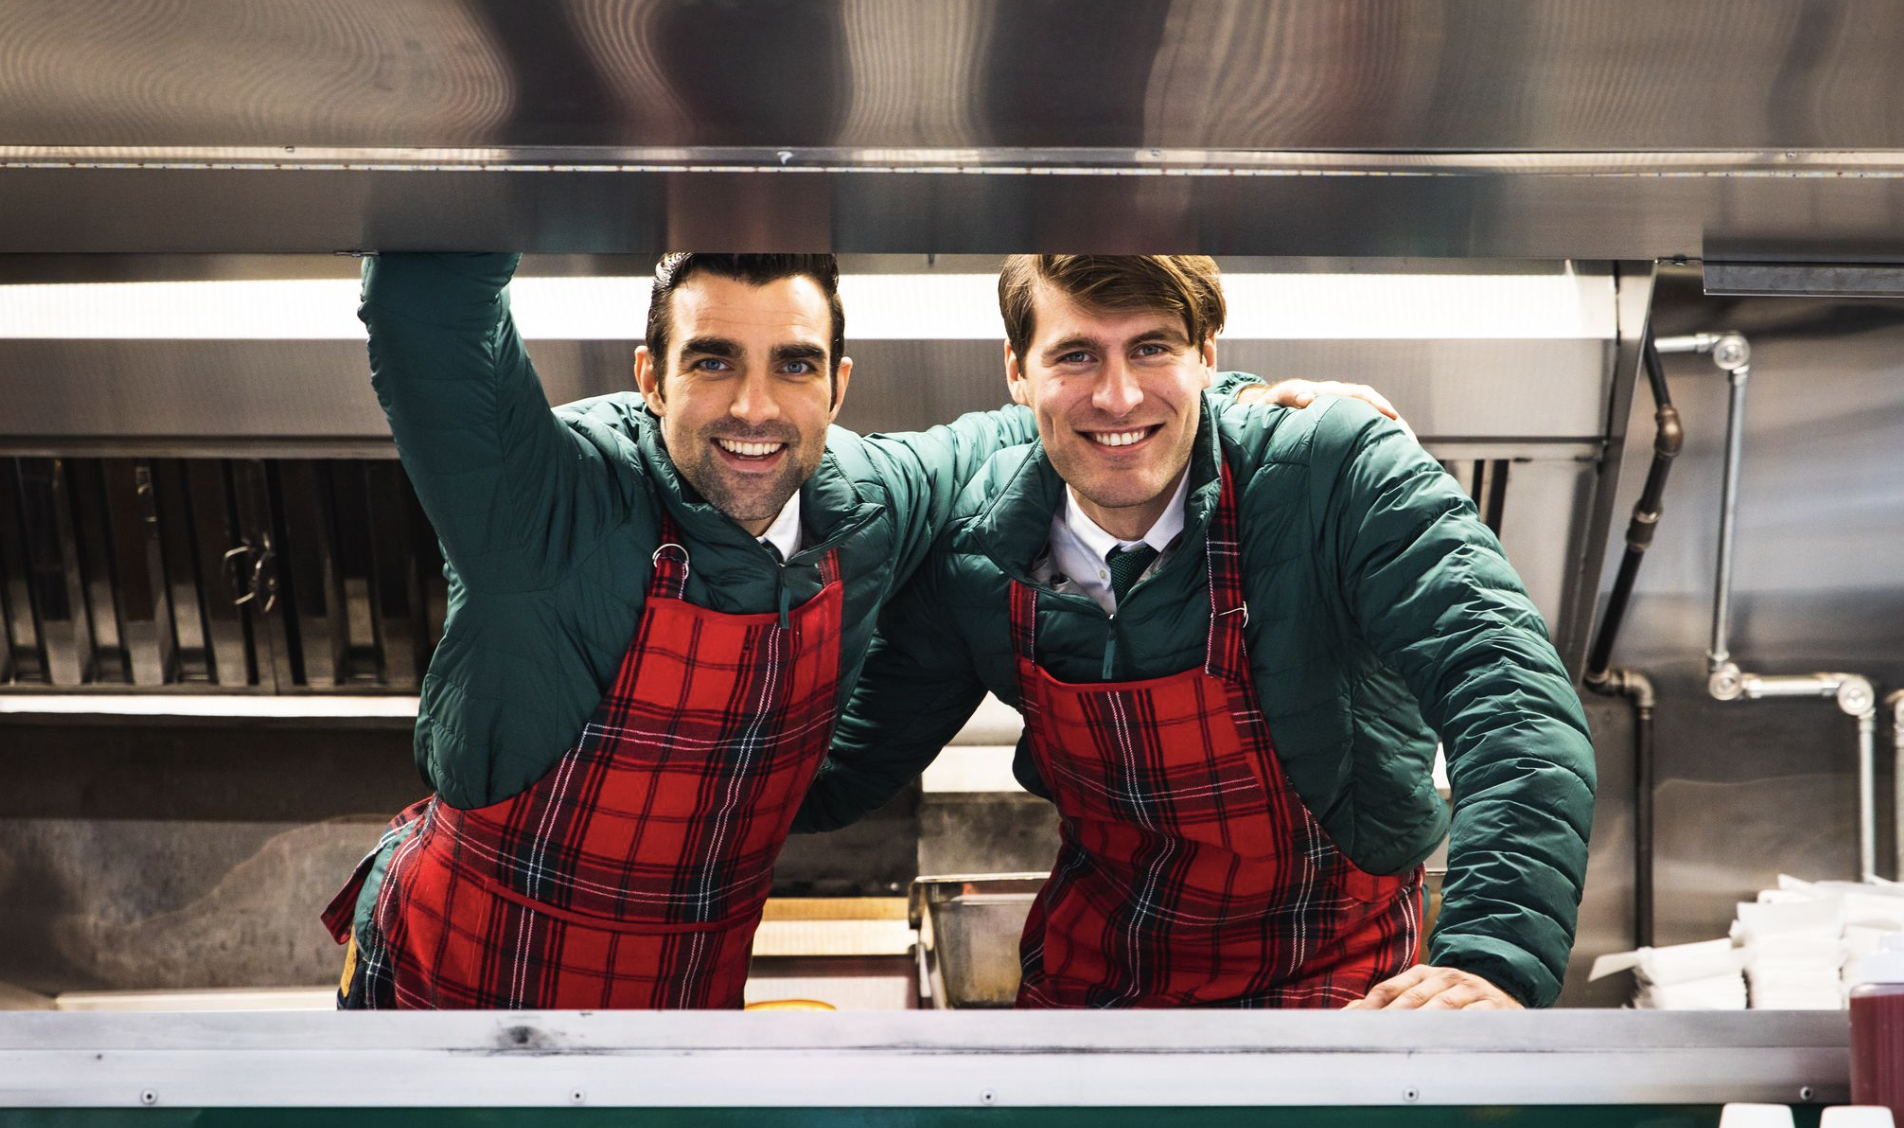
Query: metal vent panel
{"x": 234, "y": 575}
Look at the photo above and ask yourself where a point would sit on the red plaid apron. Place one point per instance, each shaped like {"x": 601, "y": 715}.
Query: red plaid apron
{"x": 633, "y": 874}
{"x": 1189, "y": 872}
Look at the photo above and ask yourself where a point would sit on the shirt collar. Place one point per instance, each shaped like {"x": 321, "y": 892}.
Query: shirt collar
{"x": 1169, "y": 523}
{"x": 784, "y": 533}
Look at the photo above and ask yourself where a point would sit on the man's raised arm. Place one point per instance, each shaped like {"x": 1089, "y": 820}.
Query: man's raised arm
{"x": 512, "y": 492}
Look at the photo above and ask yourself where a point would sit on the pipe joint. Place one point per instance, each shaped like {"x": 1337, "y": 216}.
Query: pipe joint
{"x": 1671, "y": 433}
{"x": 1725, "y": 681}
{"x": 1639, "y": 533}
{"x": 1733, "y": 353}
{"x": 1856, "y": 696}
{"x": 1630, "y": 684}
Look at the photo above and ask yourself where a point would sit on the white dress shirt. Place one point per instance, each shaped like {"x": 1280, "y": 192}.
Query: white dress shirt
{"x": 1074, "y": 560}
{"x": 784, "y": 534}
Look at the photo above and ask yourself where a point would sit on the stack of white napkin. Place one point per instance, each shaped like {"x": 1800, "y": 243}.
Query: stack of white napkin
{"x": 1806, "y": 933}
{"x": 1798, "y": 945}
{"x": 1702, "y": 976}
{"x": 1794, "y": 950}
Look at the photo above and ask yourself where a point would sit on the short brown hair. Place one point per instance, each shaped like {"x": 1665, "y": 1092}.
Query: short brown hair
{"x": 1186, "y": 285}
{"x": 755, "y": 270}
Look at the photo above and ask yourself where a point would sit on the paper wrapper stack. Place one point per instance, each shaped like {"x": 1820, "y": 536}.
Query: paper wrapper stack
{"x": 1702, "y": 976}
{"x": 1794, "y": 948}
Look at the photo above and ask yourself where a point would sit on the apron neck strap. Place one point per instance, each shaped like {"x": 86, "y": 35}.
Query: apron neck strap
{"x": 670, "y": 579}
{"x": 1224, "y": 657}
{"x": 1024, "y": 619}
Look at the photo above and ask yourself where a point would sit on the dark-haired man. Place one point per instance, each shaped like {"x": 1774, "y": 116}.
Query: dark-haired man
{"x": 1234, "y": 637}
{"x": 657, "y": 603}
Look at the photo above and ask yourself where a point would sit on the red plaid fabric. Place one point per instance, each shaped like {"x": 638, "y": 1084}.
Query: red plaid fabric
{"x": 1189, "y": 872}
{"x": 633, "y": 874}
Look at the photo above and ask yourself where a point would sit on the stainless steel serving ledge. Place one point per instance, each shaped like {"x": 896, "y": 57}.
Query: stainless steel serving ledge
{"x": 921, "y": 1059}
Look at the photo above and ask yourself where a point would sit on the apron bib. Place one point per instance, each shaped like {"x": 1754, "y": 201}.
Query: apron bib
{"x": 1189, "y": 872}
{"x": 633, "y": 874}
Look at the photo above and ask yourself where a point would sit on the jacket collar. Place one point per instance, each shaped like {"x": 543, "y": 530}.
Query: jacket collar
{"x": 1014, "y": 526}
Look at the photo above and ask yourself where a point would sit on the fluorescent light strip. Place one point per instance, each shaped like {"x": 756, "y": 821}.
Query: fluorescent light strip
{"x": 879, "y": 307}
{"x": 208, "y": 705}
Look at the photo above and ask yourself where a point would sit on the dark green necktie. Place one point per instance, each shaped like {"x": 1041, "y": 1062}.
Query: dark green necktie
{"x": 1126, "y": 565}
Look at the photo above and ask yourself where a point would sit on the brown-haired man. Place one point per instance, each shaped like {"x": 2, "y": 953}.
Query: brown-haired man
{"x": 658, "y": 602}
{"x": 1233, "y": 637}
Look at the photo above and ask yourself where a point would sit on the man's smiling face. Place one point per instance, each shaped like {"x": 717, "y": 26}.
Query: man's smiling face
{"x": 746, "y": 397}
{"x": 1117, "y": 396}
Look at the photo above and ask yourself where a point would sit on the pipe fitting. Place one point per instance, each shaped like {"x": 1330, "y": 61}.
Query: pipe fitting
{"x": 1732, "y": 352}
{"x": 1620, "y": 682}
{"x": 1856, "y": 695}
{"x": 1639, "y": 687}
{"x": 1726, "y": 682}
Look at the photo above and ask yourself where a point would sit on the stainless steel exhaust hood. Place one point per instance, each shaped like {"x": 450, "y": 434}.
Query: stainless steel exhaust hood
{"x": 1612, "y": 129}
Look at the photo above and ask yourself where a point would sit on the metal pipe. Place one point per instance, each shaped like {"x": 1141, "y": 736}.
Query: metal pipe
{"x": 1854, "y": 694}
{"x": 1856, "y": 697}
{"x": 1896, "y": 704}
{"x": 1637, "y": 688}
{"x": 1692, "y": 343}
{"x": 1719, "y": 655}
{"x": 1633, "y": 685}
{"x": 1667, "y": 438}
{"x": 1867, "y": 795}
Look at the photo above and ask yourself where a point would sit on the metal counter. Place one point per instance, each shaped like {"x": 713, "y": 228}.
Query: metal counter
{"x": 924, "y": 1068}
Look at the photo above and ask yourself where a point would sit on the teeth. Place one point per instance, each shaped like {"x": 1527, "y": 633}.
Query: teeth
{"x": 1117, "y": 438}
{"x": 752, "y": 450}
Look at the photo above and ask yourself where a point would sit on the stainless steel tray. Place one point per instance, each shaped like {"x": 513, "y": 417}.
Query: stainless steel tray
{"x": 969, "y": 926}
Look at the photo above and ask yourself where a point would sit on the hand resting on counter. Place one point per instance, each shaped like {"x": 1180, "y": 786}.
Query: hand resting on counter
{"x": 1425, "y": 987}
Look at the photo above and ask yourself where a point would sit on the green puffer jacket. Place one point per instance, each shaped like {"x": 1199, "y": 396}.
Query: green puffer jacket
{"x": 1382, "y": 612}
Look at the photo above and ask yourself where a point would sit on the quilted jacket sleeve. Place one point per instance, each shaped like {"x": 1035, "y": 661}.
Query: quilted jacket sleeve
{"x": 1430, "y": 589}
{"x": 924, "y": 471}
{"x": 917, "y": 690}
{"x": 513, "y": 493}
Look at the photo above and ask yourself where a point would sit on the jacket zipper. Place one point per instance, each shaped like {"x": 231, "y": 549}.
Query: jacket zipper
{"x": 785, "y": 596}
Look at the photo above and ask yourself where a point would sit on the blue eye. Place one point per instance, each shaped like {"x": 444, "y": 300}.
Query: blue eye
{"x": 709, "y": 364}
{"x": 1075, "y": 358}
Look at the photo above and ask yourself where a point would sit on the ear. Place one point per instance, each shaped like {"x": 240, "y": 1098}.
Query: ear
{"x": 1209, "y": 360}
{"x": 648, "y": 381}
{"x": 1015, "y": 378}
{"x": 840, "y": 380}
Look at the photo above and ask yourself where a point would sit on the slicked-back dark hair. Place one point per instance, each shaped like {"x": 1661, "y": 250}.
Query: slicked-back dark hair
{"x": 755, "y": 270}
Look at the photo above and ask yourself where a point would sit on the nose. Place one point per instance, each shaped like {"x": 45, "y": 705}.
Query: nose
{"x": 1117, "y": 391}
{"x": 754, "y": 401}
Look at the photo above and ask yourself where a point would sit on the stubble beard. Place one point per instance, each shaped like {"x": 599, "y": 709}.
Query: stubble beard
{"x": 747, "y": 498}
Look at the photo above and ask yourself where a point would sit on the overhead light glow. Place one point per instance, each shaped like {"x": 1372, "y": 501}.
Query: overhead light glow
{"x": 878, "y": 307}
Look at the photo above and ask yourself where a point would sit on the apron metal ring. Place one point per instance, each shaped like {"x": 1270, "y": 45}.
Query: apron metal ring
{"x": 1242, "y": 607}
{"x": 686, "y": 566}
